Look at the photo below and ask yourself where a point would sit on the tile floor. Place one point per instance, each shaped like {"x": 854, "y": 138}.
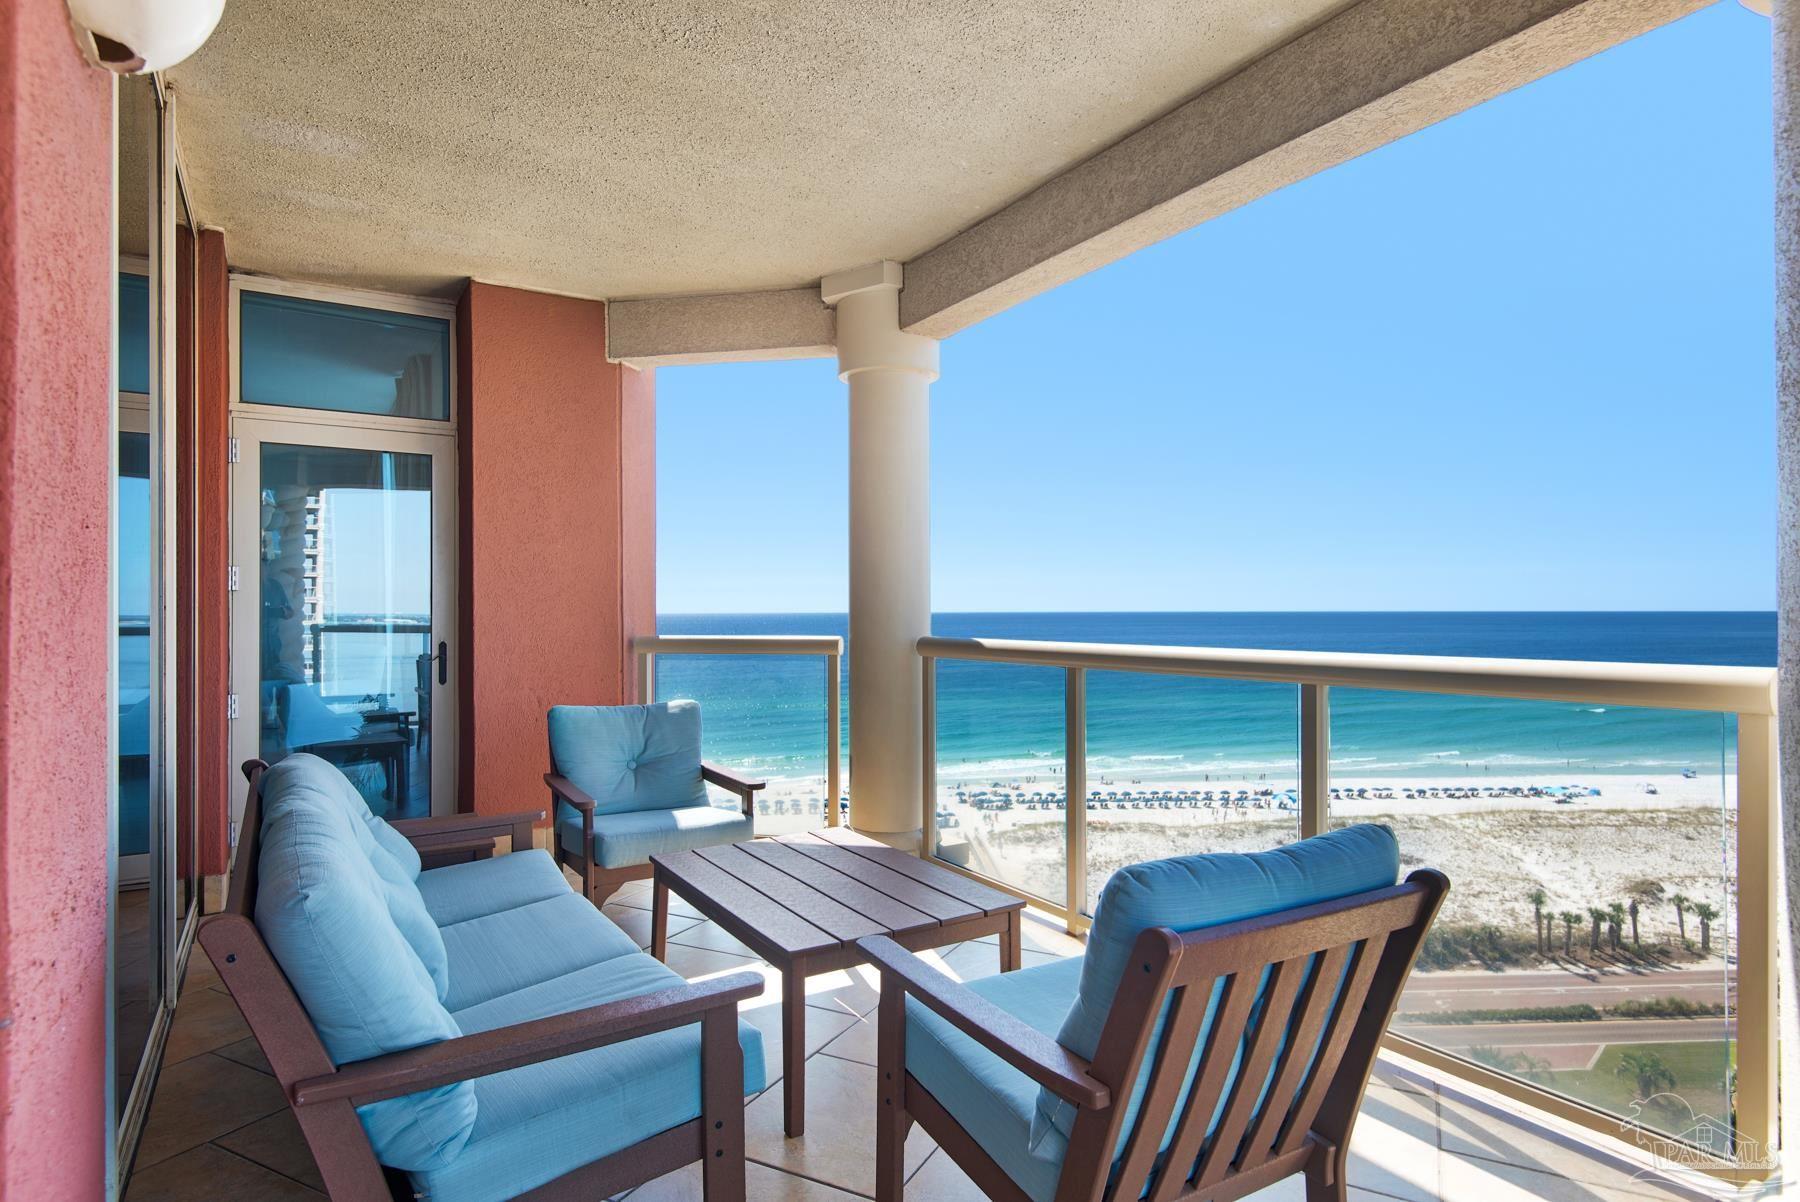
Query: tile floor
{"x": 220, "y": 1129}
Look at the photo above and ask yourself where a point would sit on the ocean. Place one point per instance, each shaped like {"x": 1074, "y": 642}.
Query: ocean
{"x": 766, "y": 715}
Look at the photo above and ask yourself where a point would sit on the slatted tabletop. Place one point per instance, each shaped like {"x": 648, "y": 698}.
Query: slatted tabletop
{"x": 801, "y": 902}
{"x": 822, "y": 890}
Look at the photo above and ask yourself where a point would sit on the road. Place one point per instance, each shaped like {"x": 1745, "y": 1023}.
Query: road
{"x": 1438, "y": 991}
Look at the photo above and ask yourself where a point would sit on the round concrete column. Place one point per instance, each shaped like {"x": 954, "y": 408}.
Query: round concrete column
{"x": 1787, "y": 448}
{"x": 890, "y": 375}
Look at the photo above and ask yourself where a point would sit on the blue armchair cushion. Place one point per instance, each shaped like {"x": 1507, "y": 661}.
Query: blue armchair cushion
{"x": 630, "y": 757}
{"x": 328, "y": 916}
{"x": 993, "y": 1101}
{"x": 1189, "y": 893}
{"x": 543, "y": 1120}
{"x": 621, "y": 840}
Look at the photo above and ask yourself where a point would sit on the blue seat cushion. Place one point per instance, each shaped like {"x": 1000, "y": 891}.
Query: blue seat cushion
{"x": 543, "y": 1120}
{"x": 622, "y": 840}
{"x": 459, "y": 892}
{"x": 514, "y": 949}
{"x": 993, "y": 1101}
{"x": 630, "y": 757}
{"x": 328, "y": 917}
{"x": 1189, "y": 893}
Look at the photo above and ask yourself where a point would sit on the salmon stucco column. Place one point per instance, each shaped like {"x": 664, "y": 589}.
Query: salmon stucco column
{"x": 889, "y": 374}
{"x": 557, "y": 563}
{"x": 56, "y": 404}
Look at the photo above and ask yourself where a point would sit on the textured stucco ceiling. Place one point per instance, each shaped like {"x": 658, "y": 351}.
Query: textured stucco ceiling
{"x": 655, "y": 147}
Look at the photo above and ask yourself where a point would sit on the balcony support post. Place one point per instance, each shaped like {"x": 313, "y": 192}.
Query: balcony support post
{"x": 1786, "y": 37}
{"x": 1315, "y": 759}
{"x": 1075, "y": 795}
{"x": 889, "y": 374}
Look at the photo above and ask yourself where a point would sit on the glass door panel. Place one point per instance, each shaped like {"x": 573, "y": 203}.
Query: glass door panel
{"x": 350, "y": 629}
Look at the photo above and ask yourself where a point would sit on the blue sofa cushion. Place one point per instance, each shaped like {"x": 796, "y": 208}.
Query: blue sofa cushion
{"x": 399, "y": 869}
{"x": 995, "y": 1102}
{"x": 1189, "y": 893}
{"x": 621, "y": 840}
{"x": 630, "y": 757}
{"x": 326, "y": 913}
{"x": 514, "y": 949}
{"x": 543, "y": 1120}
{"x": 459, "y": 892}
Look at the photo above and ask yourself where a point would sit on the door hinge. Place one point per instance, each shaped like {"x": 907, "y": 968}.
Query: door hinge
{"x": 231, "y": 450}
{"x": 231, "y": 579}
{"x": 231, "y": 706}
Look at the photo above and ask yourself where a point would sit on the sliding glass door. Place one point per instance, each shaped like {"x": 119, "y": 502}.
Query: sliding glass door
{"x": 343, "y": 618}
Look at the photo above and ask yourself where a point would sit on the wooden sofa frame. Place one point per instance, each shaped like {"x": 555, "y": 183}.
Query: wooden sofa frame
{"x": 324, "y": 1096}
{"x": 601, "y": 883}
{"x": 1376, "y": 935}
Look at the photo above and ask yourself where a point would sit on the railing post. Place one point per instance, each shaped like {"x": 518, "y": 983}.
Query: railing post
{"x": 928, "y": 751}
{"x": 646, "y": 678}
{"x": 1758, "y": 849}
{"x": 1315, "y": 758}
{"x": 1075, "y": 794}
{"x": 833, "y": 742}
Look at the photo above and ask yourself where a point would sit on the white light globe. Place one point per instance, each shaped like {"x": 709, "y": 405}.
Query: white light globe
{"x": 133, "y": 36}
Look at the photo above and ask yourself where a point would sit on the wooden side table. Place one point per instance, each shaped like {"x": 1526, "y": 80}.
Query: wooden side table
{"x": 801, "y": 901}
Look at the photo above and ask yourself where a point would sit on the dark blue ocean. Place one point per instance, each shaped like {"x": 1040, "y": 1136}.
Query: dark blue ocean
{"x": 766, "y": 715}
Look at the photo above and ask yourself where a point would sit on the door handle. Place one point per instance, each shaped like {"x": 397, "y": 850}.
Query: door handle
{"x": 443, "y": 659}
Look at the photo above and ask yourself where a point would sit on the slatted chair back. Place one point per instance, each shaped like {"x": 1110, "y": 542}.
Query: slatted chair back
{"x": 1302, "y": 1000}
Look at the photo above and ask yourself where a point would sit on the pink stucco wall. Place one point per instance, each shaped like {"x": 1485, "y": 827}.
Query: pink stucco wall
{"x": 55, "y": 333}
{"x": 558, "y": 530}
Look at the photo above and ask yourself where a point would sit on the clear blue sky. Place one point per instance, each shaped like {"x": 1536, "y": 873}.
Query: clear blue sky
{"x": 1520, "y": 360}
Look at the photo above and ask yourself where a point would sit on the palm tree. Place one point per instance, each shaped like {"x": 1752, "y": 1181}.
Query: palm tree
{"x": 1599, "y": 916}
{"x": 1651, "y": 1073}
{"x": 1569, "y": 919}
{"x": 1537, "y": 898}
{"x": 1681, "y": 903}
{"x": 1636, "y": 946}
{"x": 1615, "y": 920}
{"x": 1705, "y": 913}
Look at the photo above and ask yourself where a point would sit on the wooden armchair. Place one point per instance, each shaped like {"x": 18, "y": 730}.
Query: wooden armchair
{"x": 1306, "y": 994}
{"x": 325, "y": 1096}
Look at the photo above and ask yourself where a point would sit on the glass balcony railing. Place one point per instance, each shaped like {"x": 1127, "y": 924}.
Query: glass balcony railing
{"x": 1607, "y": 950}
{"x": 767, "y": 712}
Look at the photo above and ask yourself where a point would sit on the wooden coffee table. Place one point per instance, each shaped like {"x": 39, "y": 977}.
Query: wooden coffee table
{"x": 801, "y": 901}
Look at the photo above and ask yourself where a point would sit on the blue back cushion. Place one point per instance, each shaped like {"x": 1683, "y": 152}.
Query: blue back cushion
{"x": 1189, "y": 893}
{"x": 326, "y": 910}
{"x": 630, "y": 757}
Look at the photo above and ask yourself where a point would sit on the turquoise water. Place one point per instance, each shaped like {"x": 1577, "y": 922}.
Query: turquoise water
{"x": 766, "y": 715}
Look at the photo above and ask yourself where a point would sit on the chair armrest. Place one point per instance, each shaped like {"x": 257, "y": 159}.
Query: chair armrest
{"x": 563, "y": 789}
{"x": 449, "y": 1061}
{"x": 726, "y": 779}
{"x": 456, "y": 828}
{"x": 1026, "y": 1048}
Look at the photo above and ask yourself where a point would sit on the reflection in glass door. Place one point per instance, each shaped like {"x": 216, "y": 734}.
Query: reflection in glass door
{"x": 347, "y": 588}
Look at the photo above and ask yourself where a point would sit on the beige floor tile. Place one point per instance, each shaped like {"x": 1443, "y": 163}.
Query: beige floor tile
{"x": 840, "y": 1120}
{"x": 822, "y": 1027}
{"x": 1478, "y": 1134}
{"x": 639, "y": 898}
{"x": 1393, "y": 1150}
{"x": 973, "y": 960}
{"x": 1466, "y": 1179}
{"x": 857, "y": 1042}
{"x": 761, "y": 1184}
{"x": 713, "y": 937}
{"x": 247, "y": 1052}
{"x": 1044, "y": 934}
{"x": 209, "y": 1174}
{"x": 201, "y": 1099}
{"x": 276, "y": 1143}
{"x": 205, "y": 1021}
{"x": 698, "y": 963}
{"x": 636, "y": 923}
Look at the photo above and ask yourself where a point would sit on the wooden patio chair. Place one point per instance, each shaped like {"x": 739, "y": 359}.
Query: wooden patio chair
{"x": 1230, "y": 1057}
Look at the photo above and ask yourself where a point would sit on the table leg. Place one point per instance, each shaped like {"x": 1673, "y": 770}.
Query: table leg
{"x": 793, "y": 1050}
{"x": 1011, "y": 942}
{"x": 659, "y": 918}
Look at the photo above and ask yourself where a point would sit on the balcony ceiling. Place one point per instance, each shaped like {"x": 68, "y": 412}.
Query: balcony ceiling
{"x": 659, "y": 148}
